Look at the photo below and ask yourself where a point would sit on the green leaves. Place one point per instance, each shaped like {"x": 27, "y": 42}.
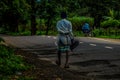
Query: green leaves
{"x": 13, "y": 12}
{"x": 78, "y": 22}
{"x": 1, "y": 40}
{"x": 110, "y": 23}
{"x": 10, "y": 63}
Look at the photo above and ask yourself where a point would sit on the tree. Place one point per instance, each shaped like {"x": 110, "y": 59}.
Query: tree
{"x": 98, "y": 8}
{"x": 47, "y": 11}
{"x": 33, "y": 18}
{"x": 12, "y": 12}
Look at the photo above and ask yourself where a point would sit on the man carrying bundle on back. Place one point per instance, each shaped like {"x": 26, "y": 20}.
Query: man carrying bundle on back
{"x": 65, "y": 39}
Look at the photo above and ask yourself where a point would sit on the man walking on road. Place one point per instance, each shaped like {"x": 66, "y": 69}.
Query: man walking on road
{"x": 64, "y": 28}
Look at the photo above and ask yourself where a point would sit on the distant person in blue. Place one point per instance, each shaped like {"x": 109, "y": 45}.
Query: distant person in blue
{"x": 86, "y": 29}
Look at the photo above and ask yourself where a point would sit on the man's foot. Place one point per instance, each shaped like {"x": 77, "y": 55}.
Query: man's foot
{"x": 58, "y": 63}
{"x": 67, "y": 66}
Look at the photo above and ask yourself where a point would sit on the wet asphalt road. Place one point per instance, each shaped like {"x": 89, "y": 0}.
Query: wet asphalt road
{"x": 94, "y": 57}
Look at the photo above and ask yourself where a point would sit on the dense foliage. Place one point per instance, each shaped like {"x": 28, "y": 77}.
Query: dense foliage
{"x": 34, "y": 15}
{"x": 10, "y": 64}
{"x": 77, "y": 22}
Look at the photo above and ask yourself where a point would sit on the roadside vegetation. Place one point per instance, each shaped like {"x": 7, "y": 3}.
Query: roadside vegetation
{"x": 11, "y": 65}
{"x": 22, "y": 65}
{"x": 39, "y": 17}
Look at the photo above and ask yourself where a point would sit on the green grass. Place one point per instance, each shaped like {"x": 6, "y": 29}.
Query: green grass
{"x": 10, "y": 63}
{"x": 97, "y": 33}
{"x": 111, "y": 37}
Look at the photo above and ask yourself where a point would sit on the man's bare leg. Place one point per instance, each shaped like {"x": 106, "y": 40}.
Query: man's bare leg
{"x": 67, "y": 59}
{"x": 58, "y": 62}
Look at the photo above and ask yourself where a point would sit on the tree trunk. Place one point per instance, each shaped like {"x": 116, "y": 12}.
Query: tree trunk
{"x": 13, "y": 25}
{"x": 33, "y": 25}
{"x": 48, "y": 25}
{"x": 97, "y": 20}
{"x": 16, "y": 26}
{"x": 33, "y": 18}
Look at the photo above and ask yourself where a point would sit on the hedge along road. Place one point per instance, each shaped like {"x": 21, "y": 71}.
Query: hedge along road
{"x": 94, "y": 57}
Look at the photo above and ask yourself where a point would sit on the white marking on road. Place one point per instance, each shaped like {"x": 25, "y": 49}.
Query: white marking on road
{"x": 93, "y": 44}
{"x": 108, "y": 47}
{"x": 80, "y": 42}
{"x": 54, "y": 38}
{"x": 46, "y": 59}
{"x": 48, "y": 36}
{"x": 43, "y": 35}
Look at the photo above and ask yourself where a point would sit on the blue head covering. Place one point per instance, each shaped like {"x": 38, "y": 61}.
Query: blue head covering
{"x": 86, "y": 26}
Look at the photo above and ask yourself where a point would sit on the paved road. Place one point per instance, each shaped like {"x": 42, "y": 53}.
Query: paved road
{"x": 98, "y": 58}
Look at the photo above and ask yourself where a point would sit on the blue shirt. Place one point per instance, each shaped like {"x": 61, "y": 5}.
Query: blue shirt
{"x": 86, "y": 26}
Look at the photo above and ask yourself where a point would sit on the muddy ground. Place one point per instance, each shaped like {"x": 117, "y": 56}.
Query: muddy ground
{"x": 45, "y": 70}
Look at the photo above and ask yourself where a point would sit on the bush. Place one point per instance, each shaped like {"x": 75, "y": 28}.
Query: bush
{"x": 97, "y": 32}
{"x": 110, "y": 23}
{"x": 25, "y": 33}
{"x": 77, "y": 22}
{"x": 41, "y": 24}
{"x": 10, "y": 63}
{"x": 111, "y": 27}
{"x": 1, "y": 40}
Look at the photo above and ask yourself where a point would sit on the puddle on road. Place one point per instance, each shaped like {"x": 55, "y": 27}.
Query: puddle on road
{"x": 91, "y": 63}
{"x": 110, "y": 77}
{"x": 90, "y": 68}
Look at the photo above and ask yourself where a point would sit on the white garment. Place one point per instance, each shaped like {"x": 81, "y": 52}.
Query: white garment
{"x": 64, "y": 27}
